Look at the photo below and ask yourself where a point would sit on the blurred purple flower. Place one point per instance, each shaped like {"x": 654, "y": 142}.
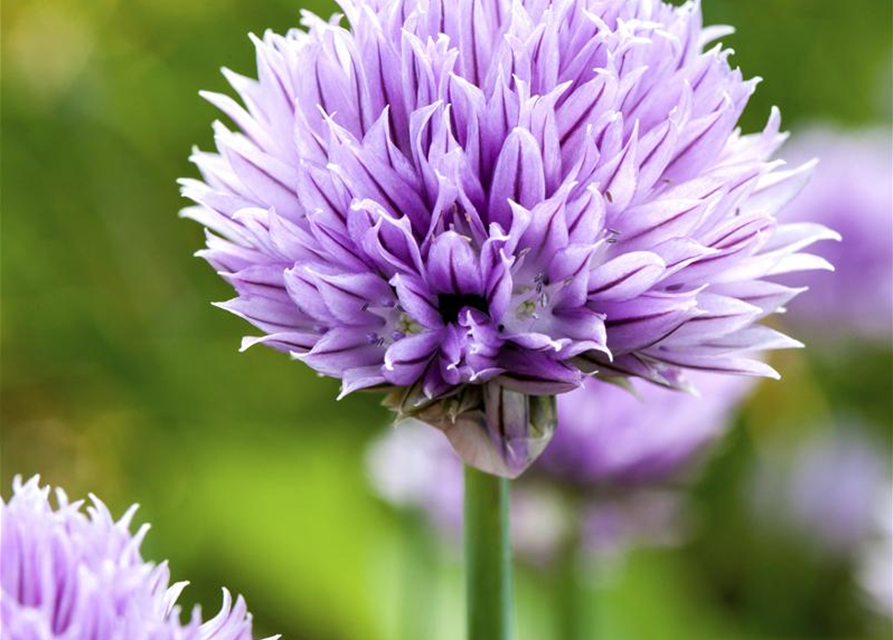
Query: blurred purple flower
{"x": 473, "y": 204}
{"x": 650, "y": 518}
{"x": 875, "y": 570}
{"x": 609, "y": 436}
{"x": 607, "y": 439}
{"x": 826, "y": 491}
{"x": 546, "y": 519}
{"x": 853, "y": 193}
{"x": 75, "y": 576}
{"x": 412, "y": 467}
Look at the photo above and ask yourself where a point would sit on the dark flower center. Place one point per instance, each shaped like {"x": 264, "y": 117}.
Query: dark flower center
{"x": 450, "y": 304}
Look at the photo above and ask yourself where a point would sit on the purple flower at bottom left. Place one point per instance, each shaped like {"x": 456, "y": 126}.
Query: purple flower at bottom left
{"x": 75, "y": 573}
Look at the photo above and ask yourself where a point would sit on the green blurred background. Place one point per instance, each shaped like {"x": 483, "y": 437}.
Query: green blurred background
{"x": 118, "y": 377}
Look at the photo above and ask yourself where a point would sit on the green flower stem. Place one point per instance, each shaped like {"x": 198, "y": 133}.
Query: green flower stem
{"x": 571, "y": 605}
{"x": 488, "y": 560}
{"x": 420, "y": 578}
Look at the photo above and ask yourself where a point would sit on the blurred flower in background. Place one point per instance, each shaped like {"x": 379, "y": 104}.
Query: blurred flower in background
{"x": 876, "y": 556}
{"x": 825, "y": 491}
{"x": 851, "y": 192}
{"x": 614, "y": 526}
{"x": 549, "y": 522}
{"x": 818, "y": 487}
{"x": 77, "y": 576}
{"x": 820, "y": 505}
{"x": 613, "y": 436}
{"x": 413, "y": 467}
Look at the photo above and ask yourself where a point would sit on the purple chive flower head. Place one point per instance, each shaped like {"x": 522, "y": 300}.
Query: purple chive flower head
{"x": 474, "y": 204}
{"x": 73, "y": 575}
{"x": 617, "y": 456}
{"x": 853, "y": 193}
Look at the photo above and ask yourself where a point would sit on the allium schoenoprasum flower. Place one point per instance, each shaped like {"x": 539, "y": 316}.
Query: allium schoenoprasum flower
{"x": 74, "y": 573}
{"x": 831, "y": 497}
{"x": 853, "y": 193}
{"x": 620, "y": 457}
{"x": 613, "y": 437}
{"x": 825, "y": 492}
{"x": 475, "y": 204}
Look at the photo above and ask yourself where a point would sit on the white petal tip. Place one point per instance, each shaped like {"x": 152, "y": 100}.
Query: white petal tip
{"x": 250, "y": 341}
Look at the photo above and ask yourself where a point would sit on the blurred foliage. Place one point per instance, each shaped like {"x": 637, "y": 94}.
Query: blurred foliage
{"x": 119, "y": 378}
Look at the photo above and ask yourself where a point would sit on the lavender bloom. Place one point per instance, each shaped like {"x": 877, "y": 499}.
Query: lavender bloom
{"x": 641, "y": 443}
{"x": 413, "y": 467}
{"x": 875, "y": 571}
{"x": 826, "y": 492}
{"x": 607, "y": 525}
{"x": 853, "y": 193}
{"x": 75, "y": 576}
{"x": 609, "y": 436}
{"x": 832, "y": 495}
{"x": 475, "y": 204}
{"x": 652, "y": 518}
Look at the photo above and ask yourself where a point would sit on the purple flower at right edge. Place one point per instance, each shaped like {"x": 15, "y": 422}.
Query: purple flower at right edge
{"x": 852, "y": 192}
{"x": 474, "y": 204}
{"x": 620, "y": 456}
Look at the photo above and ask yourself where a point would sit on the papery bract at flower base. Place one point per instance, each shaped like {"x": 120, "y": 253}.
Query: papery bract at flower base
{"x": 447, "y": 195}
{"x": 76, "y": 576}
{"x": 495, "y": 429}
